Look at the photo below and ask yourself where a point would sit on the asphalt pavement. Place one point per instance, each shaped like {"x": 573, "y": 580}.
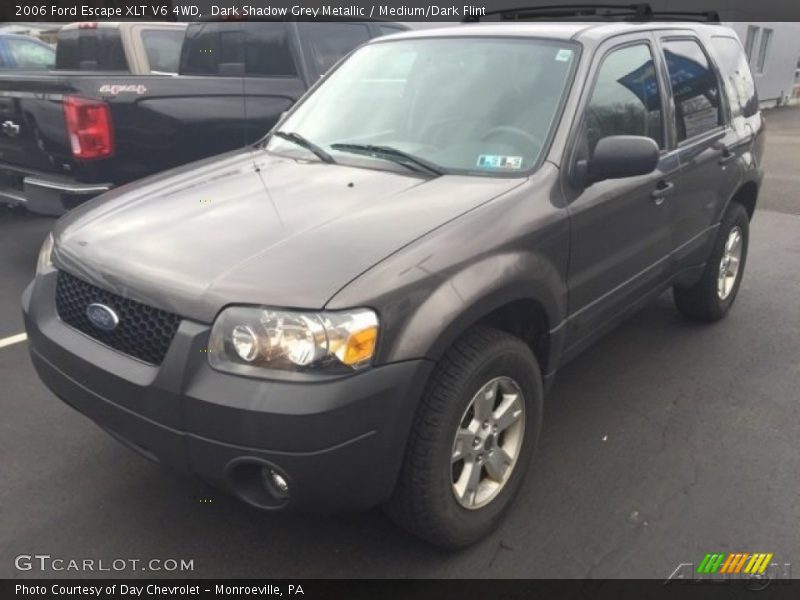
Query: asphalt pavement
{"x": 664, "y": 441}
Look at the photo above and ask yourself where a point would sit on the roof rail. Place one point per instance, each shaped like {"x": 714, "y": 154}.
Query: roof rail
{"x": 594, "y": 12}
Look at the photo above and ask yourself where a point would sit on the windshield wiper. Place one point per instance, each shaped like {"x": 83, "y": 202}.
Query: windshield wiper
{"x": 298, "y": 139}
{"x": 392, "y": 154}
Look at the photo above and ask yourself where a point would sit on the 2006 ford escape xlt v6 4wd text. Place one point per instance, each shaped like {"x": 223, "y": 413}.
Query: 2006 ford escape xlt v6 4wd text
{"x": 367, "y": 306}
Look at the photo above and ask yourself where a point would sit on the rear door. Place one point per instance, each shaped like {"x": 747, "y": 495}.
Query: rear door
{"x": 620, "y": 228}
{"x": 706, "y": 146}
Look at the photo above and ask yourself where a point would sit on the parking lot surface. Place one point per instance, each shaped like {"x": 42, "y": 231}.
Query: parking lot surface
{"x": 664, "y": 441}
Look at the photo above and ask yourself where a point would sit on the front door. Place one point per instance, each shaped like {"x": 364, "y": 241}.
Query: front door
{"x": 620, "y": 229}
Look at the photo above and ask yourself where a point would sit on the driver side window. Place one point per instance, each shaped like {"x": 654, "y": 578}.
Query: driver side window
{"x": 626, "y": 99}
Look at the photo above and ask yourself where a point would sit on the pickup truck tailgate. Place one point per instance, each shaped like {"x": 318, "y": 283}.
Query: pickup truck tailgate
{"x": 19, "y": 135}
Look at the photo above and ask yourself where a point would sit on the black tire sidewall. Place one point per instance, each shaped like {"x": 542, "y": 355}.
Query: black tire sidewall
{"x": 701, "y": 301}
{"x": 735, "y": 218}
{"x": 514, "y": 361}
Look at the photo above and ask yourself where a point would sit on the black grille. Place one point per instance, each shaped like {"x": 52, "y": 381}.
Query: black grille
{"x": 143, "y": 332}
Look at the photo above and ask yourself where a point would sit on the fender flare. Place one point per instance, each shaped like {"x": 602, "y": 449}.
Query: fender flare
{"x": 464, "y": 298}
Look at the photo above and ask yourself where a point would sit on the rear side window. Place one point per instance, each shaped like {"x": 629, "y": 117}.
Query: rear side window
{"x": 236, "y": 49}
{"x": 98, "y": 49}
{"x": 329, "y": 42}
{"x": 694, "y": 88}
{"x": 738, "y": 80}
{"x": 267, "y": 50}
{"x": 163, "y": 48}
{"x": 31, "y": 55}
{"x": 626, "y": 99}
{"x": 202, "y": 48}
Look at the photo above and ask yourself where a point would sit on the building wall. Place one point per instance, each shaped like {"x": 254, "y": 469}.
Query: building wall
{"x": 776, "y": 80}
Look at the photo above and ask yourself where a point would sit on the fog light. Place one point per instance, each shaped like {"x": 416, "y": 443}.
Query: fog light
{"x": 279, "y": 481}
{"x": 275, "y": 482}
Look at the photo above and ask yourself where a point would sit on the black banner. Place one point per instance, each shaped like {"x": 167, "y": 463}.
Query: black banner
{"x": 374, "y": 589}
{"x": 392, "y": 10}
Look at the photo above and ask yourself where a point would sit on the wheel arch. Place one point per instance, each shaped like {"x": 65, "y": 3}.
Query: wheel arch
{"x": 746, "y": 195}
{"x": 525, "y": 318}
{"x": 529, "y": 316}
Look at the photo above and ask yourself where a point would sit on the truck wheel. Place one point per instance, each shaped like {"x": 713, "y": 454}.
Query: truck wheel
{"x": 711, "y": 297}
{"x": 472, "y": 439}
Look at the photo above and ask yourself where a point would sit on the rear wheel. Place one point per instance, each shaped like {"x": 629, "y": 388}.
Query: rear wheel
{"x": 472, "y": 440}
{"x": 711, "y": 297}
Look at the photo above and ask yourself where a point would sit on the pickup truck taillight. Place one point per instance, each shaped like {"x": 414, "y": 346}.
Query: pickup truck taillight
{"x": 89, "y": 128}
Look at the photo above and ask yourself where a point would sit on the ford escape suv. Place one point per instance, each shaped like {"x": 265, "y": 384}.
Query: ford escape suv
{"x": 367, "y": 306}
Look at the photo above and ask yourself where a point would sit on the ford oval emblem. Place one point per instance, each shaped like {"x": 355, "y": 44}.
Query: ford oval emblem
{"x": 102, "y": 317}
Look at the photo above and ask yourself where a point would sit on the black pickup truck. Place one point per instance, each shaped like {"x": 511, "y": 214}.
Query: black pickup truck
{"x": 75, "y": 132}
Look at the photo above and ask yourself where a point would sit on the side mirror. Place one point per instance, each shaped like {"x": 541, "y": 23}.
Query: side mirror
{"x": 617, "y": 157}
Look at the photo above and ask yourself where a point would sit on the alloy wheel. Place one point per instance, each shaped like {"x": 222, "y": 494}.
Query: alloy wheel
{"x": 729, "y": 264}
{"x": 488, "y": 442}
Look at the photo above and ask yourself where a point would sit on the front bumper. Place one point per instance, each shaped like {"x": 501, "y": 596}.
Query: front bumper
{"x": 338, "y": 443}
{"x": 45, "y": 194}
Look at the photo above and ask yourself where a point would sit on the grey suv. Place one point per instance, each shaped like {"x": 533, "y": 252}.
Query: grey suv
{"x": 367, "y": 306}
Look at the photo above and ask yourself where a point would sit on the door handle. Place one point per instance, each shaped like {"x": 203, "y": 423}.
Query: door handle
{"x": 663, "y": 189}
{"x": 726, "y": 157}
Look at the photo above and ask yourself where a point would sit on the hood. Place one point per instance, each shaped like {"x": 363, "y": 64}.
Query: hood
{"x": 254, "y": 228}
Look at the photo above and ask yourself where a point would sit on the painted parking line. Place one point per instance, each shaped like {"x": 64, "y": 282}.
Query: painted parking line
{"x": 14, "y": 339}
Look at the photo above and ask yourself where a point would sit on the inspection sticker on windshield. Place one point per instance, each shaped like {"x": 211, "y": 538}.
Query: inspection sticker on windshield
{"x": 495, "y": 161}
{"x": 563, "y": 54}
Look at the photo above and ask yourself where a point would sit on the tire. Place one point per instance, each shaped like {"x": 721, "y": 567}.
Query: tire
{"x": 704, "y": 301}
{"x": 424, "y": 501}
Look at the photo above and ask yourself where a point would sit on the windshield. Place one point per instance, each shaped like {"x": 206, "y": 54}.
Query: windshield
{"x": 477, "y": 105}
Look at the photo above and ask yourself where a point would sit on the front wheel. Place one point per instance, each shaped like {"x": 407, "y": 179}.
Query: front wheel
{"x": 472, "y": 440}
{"x": 711, "y": 297}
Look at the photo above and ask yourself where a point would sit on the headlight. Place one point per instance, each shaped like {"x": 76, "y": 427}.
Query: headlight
{"x": 249, "y": 340}
{"x": 44, "y": 264}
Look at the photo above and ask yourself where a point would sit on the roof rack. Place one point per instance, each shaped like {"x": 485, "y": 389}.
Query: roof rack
{"x": 594, "y": 12}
